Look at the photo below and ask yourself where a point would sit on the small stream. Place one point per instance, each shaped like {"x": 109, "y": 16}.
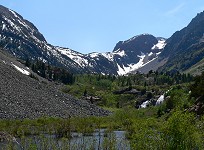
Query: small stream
{"x": 159, "y": 101}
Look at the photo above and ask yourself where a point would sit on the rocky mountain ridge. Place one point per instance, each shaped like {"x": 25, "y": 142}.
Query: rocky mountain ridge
{"x": 23, "y": 40}
{"x": 185, "y": 48}
{"x": 141, "y": 53}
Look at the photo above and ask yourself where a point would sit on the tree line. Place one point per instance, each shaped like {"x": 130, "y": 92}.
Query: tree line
{"x": 50, "y": 72}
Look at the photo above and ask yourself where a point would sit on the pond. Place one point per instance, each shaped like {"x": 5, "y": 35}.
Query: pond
{"x": 99, "y": 140}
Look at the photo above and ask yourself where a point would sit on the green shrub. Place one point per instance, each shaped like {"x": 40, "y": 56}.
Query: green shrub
{"x": 180, "y": 132}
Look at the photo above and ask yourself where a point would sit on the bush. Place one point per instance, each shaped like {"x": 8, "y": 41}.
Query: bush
{"x": 180, "y": 132}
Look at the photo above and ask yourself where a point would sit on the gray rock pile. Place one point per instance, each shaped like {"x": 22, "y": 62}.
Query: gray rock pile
{"x": 24, "y": 97}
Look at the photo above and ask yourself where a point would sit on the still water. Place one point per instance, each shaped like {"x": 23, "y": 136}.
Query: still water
{"x": 99, "y": 140}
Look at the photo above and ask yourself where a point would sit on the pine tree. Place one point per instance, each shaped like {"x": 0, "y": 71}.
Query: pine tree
{"x": 27, "y": 63}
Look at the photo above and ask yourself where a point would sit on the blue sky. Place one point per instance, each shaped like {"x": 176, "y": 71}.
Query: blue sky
{"x": 96, "y": 26}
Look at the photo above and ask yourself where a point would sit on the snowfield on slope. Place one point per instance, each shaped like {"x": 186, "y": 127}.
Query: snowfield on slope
{"x": 160, "y": 45}
{"x": 76, "y": 56}
{"x": 23, "y": 71}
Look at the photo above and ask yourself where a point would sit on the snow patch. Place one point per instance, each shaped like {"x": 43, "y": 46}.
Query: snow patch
{"x": 23, "y": 71}
{"x": 48, "y": 47}
{"x": 42, "y": 59}
{"x": 12, "y": 24}
{"x": 51, "y": 50}
{"x": 120, "y": 71}
{"x": 93, "y": 55}
{"x": 119, "y": 52}
{"x": 15, "y": 15}
{"x": 150, "y": 54}
{"x": 75, "y": 56}
{"x": 4, "y": 61}
{"x": 158, "y": 53}
{"x": 131, "y": 67}
{"x": 3, "y": 26}
{"x": 108, "y": 55}
{"x": 160, "y": 45}
{"x": 21, "y": 22}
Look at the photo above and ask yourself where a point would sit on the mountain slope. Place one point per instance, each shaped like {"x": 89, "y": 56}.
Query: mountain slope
{"x": 185, "y": 47}
{"x": 25, "y": 97}
{"x": 196, "y": 69}
{"x": 23, "y": 40}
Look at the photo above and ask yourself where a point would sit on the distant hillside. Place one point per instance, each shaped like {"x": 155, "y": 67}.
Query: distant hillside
{"x": 196, "y": 69}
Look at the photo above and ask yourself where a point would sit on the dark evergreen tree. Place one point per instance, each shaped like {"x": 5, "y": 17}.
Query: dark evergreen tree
{"x": 27, "y": 63}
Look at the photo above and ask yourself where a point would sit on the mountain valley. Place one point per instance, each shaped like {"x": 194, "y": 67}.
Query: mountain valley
{"x": 146, "y": 93}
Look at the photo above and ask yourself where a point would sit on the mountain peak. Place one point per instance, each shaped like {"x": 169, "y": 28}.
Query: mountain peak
{"x": 12, "y": 23}
{"x": 140, "y": 43}
{"x": 137, "y": 36}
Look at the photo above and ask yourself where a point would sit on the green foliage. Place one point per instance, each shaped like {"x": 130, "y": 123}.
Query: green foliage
{"x": 167, "y": 126}
{"x": 177, "y": 98}
{"x": 144, "y": 134}
{"x": 197, "y": 89}
{"x": 109, "y": 142}
{"x": 49, "y": 72}
{"x": 180, "y": 132}
{"x": 177, "y": 133}
{"x": 105, "y": 87}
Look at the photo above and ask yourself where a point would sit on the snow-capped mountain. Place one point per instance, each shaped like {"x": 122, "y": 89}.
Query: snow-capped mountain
{"x": 127, "y": 56}
{"x": 183, "y": 51}
{"x": 23, "y": 40}
{"x": 137, "y": 52}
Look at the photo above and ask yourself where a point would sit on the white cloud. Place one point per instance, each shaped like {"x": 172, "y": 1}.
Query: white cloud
{"x": 175, "y": 10}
